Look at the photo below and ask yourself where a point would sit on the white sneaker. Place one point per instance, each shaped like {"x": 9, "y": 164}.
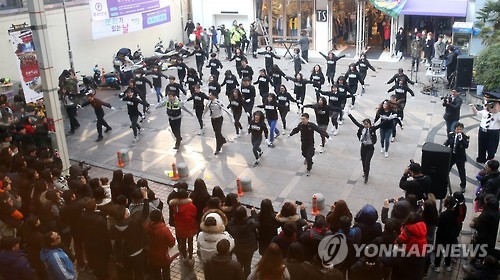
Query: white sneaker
{"x": 237, "y": 136}
{"x": 393, "y": 138}
{"x": 448, "y": 268}
{"x": 201, "y": 132}
{"x": 335, "y": 132}
{"x": 321, "y": 149}
{"x": 256, "y": 162}
{"x": 386, "y": 154}
{"x": 341, "y": 122}
{"x": 135, "y": 139}
{"x": 333, "y": 129}
{"x": 437, "y": 269}
{"x": 139, "y": 131}
{"x": 382, "y": 150}
{"x": 352, "y": 107}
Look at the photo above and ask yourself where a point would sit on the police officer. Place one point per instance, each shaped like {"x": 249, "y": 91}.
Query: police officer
{"x": 174, "y": 113}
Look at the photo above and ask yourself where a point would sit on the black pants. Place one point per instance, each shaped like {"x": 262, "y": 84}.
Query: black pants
{"x": 308, "y": 153}
{"x": 135, "y": 125}
{"x": 256, "y": 146}
{"x": 73, "y": 122}
{"x": 362, "y": 76}
{"x": 334, "y": 116}
{"x": 199, "y": 115}
{"x": 249, "y": 108}
{"x": 300, "y": 97}
{"x": 134, "y": 267}
{"x": 237, "y": 117}
{"x": 415, "y": 60}
{"x": 245, "y": 259}
{"x": 439, "y": 255}
{"x": 354, "y": 89}
{"x": 487, "y": 142}
{"x": 460, "y": 163}
{"x": 305, "y": 55}
{"x": 175, "y": 125}
{"x": 182, "y": 77}
{"x": 199, "y": 68}
{"x": 330, "y": 77}
{"x": 183, "y": 250}
{"x": 101, "y": 122}
{"x": 159, "y": 272}
{"x": 366, "y": 157}
{"x": 283, "y": 113}
{"x": 145, "y": 103}
{"x": 219, "y": 138}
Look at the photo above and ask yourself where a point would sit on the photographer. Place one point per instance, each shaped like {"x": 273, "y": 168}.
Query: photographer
{"x": 419, "y": 186}
{"x": 226, "y": 40}
{"x": 452, "y": 104}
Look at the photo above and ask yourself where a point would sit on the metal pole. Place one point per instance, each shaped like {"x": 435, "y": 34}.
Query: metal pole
{"x": 41, "y": 40}
{"x": 70, "y": 52}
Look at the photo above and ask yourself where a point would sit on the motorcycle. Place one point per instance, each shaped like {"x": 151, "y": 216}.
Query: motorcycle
{"x": 148, "y": 62}
{"x": 101, "y": 80}
{"x": 166, "y": 54}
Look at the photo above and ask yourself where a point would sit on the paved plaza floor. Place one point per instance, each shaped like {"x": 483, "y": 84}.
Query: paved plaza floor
{"x": 280, "y": 176}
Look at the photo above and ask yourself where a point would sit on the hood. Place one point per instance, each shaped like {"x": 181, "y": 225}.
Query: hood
{"x": 220, "y": 219}
{"x": 178, "y": 202}
{"x": 419, "y": 230}
{"x": 9, "y": 258}
{"x": 368, "y": 215}
{"x": 75, "y": 170}
{"x": 282, "y": 219}
{"x": 46, "y": 254}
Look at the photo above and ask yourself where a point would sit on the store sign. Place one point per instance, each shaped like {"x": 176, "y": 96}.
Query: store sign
{"x": 27, "y": 63}
{"x": 321, "y": 16}
{"x": 116, "y": 17}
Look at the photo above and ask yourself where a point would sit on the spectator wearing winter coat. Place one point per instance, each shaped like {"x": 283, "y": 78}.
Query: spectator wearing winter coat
{"x": 96, "y": 239}
{"x": 288, "y": 213}
{"x": 200, "y": 197}
{"x": 268, "y": 226}
{"x": 399, "y": 213}
{"x": 366, "y": 221}
{"x": 10, "y": 218}
{"x": 160, "y": 240}
{"x": 445, "y": 233}
{"x": 270, "y": 266}
{"x": 185, "y": 223}
{"x": 231, "y": 203}
{"x": 413, "y": 233}
{"x": 33, "y": 241}
{"x": 130, "y": 239}
{"x": 287, "y": 235}
{"x": 244, "y": 231}
{"x": 116, "y": 184}
{"x": 14, "y": 264}
{"x": 368, "y": 268}
{"x": 138, "y": 200}
{"x": 213, "y": 229}
{"x": 294, "y": 262}
{"x": 172, "y": 195}
{"x": 487, "y": 224}
{"x": 232, "y": 270}
{"x": 70, "y": 214}
{"x": 337, "y": 210}
{"x": 57, "y": 263}
{"x": 311, "y": 238}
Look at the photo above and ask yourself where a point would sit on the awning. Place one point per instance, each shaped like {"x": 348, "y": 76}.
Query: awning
{"x": 442, "y": 8}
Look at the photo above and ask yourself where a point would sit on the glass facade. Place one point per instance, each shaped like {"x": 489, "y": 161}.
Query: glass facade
{"x": 19, "y": 4}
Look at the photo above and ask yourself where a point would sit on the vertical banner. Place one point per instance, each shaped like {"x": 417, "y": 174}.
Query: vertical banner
{"x": 27, "y": 64}
{"x": 390, "y": 7}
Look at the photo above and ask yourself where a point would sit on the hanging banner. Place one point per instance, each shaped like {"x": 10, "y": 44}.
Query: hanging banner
{"x": 27, "y": 64}
{"x": 117, "y": 17}
{"x": 390, "y": 7}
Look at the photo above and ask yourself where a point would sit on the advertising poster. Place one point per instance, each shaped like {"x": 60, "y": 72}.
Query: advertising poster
{"x": 390, "y": 7}
{"x": 27, "y": 64}
{"x": 117, "y": 17}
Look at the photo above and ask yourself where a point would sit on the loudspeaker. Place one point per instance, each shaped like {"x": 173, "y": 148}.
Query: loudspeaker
{"x": 464, "y": 71}
{"x": 436, "y": 164}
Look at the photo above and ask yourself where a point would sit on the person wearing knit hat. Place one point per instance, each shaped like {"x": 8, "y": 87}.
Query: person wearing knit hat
{"x": 213, "y": 229}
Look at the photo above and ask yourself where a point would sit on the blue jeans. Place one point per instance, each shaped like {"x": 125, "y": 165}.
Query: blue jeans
{"x": 272, "y": 129}
{"x": 159, "y": 96}
{"x": 385, "y": 137}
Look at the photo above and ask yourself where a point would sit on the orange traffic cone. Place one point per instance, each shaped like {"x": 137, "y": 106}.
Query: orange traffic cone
{"x": 240, "y": 189}
{"x": 120, "y": 160}
{"x": 315, "y": 210}
{"x": 103, "y": 79}
{"x": 175, "y": 175}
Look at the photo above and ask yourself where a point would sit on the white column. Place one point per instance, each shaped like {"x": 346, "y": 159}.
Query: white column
{"x": 323, "y": 32}
{"x": 41, "y": 40}
{"x": 394, "y": 29}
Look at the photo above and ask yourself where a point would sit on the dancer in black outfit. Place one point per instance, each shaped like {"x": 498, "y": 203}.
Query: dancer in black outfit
{"x": 245, "y": 71}
{"x": 269, "y": 56}
{"x": 257, "y": 126}
{"x": 271, "y": 107}
{"x": 181, "y": 69}
{"x": 200, "y": 56}
{"x": 198, "y": 98}
{"x": 238, "y": 57}
{"x": 156, "y": 75}
{"x": 299, "y": 90}
{"x": 331, "y": 66}
{"x": 214, "y": 64}
{"x": 263, "y": 81}
{"x": 343, "y": 88}
{"x": 307, "y": 130}
{"x": 140, "y": 82}
{"x": 401, "y": 91}
{"x": 353, "y": 78}
{"x": 175, "y": 87}
{"x": 236, "y": 104}
{"x": 318, "y": 79}
{"x": 363, "y": 64}
{"x": 97, "y": 104}
{"x": 213, "y": 85}
{"x": 322, "y": 111}
{"x": 248, "y": 92}
{"x": 396, "y": 107}
{"x": 133, "y": 112}
{"x": 336, "y": 103}
{"x": 368, "y": 138}
{"x": 276, "y": 75}
{"x": 192, "y": 79}
{"x": 231, "y": 82}
{"x": 284, "y": 98}
{"x": 400, "y": 76}
{"x": 297, "y": 61}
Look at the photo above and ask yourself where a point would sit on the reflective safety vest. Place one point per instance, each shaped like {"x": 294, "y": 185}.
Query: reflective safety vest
{"x": 173, "y": 108}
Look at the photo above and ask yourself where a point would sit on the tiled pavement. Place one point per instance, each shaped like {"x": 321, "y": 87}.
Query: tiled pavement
{"x": 280, "y": 175}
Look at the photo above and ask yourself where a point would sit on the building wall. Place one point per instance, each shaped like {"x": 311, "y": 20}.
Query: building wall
{"x": 86, "y": 51}
{"x": 216, "y": 12}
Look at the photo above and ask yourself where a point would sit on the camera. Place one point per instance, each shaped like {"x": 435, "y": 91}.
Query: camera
{"x": 391, "y": 200}
{"x": 298, "y": 202}
{"x": 420, "y": 202}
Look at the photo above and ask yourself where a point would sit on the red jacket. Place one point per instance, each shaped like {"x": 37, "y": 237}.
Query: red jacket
{"x": 413, "y": 234}
{"x": 184, "y": 217}
{"x": 160, "y": 240}
{"x": 387, "y": 31}
{"x": 198, "y": 32}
